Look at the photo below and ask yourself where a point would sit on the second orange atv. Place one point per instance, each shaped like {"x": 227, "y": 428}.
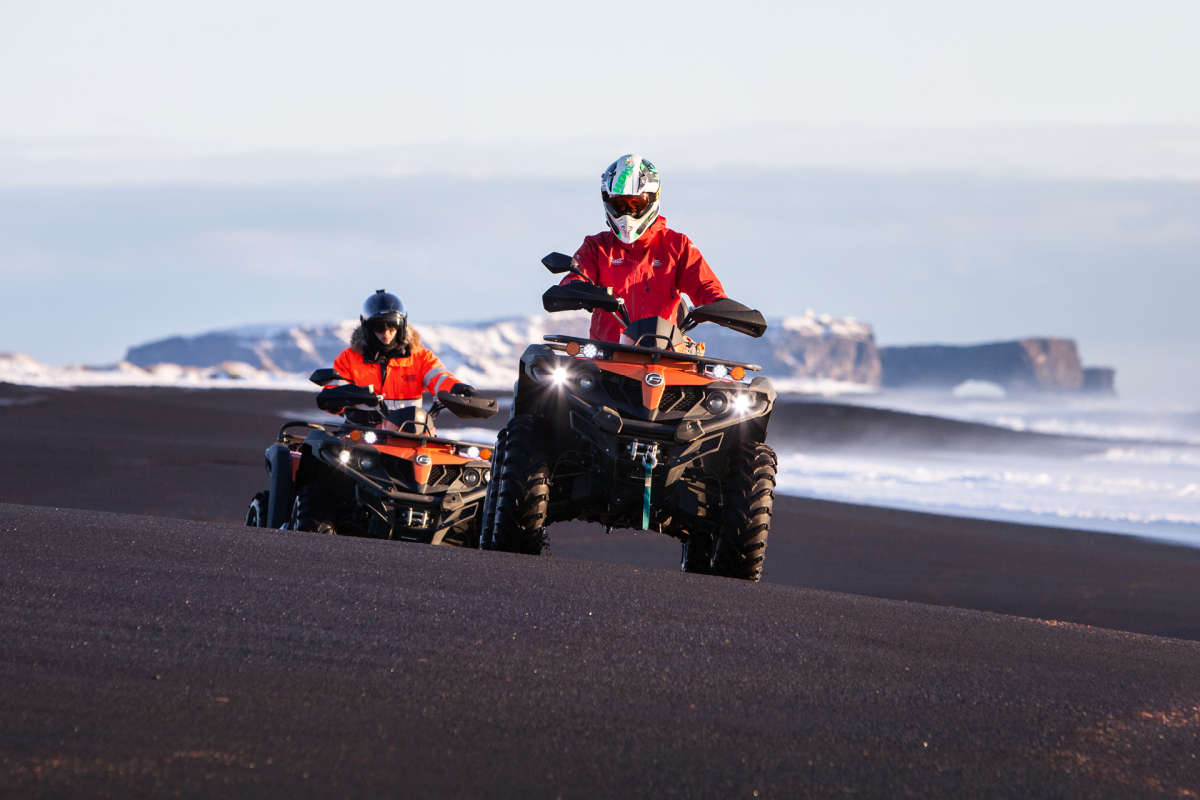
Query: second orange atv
{"x": 392, "y": 479}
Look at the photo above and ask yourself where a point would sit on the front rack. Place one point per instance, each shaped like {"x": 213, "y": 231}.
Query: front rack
{"x": 655, "y": 353}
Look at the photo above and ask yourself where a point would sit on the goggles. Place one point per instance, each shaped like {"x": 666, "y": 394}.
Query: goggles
{"x": 384, "y": 323}
{"x": 629, "y": 205}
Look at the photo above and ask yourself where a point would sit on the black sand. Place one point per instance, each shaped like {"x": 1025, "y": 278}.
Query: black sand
{"x": 147, "y": 655}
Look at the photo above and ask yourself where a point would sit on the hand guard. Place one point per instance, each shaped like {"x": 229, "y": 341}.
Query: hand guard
{"x": 336, "y": 398}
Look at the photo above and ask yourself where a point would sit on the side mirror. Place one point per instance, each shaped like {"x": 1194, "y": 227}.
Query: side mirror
{"x": 729, "y": 314}
{"x": 578, "y": 295}
{"x": 324, "y": 376}
{"x": 558, "y": 263}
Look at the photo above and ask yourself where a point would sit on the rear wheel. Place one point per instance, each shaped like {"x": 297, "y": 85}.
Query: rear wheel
{"x": 746, "y": 517}
{"x": 256, "y": 514}
{"x": 312, "y": 510}
{"x": 519, "y": 525}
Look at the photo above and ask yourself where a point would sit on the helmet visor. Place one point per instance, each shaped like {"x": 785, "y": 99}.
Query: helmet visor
{"x": 380, "y": 324}
{"x": 629, "y": 205}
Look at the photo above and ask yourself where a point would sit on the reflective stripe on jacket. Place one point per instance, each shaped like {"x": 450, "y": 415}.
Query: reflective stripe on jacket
{"x": 407, "y": 376}
{"x": 649, "y": 274}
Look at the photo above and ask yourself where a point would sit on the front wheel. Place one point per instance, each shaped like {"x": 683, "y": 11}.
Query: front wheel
{"x": 523, "y": 492}
{"x": 311, "y": 510}
{"x": 493, "y": 489}
{"x": 256, "y": 514}
{"x": 746, "y": 516}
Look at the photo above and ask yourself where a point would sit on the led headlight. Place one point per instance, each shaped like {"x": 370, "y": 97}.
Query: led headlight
{"x": 717, "y": 371}
{"x": 370, "y": 437}
{"x": 589, "y": 350}
{"x": 470, "y": 451}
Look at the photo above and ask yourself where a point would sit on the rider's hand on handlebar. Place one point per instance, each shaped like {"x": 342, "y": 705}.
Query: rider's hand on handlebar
{"x": 463, "y": 390}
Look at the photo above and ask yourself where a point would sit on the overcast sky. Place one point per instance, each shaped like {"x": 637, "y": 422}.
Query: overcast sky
{"x": 116, "y": 115}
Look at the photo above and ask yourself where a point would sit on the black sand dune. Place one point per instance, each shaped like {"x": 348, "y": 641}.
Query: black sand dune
{"x": 148, "y": 655}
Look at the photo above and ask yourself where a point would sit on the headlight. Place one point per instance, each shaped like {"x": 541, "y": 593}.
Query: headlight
{"x": 470, "y": 477}
{"x": 587, "y": 383}
{"x": 589, "y": 350}
{"x": 367, "y": 462}
{"x": 559, "y": 376}
{"x": 717, "y": 371}
{"x": 370, "y": 438}
{"x": 473, "y": 452}
{"x": 742, "y": 403}
{"x": 344, "y": 456}
{"x": 717, "y": 402}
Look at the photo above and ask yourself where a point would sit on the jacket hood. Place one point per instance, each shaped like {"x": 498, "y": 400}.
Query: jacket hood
{"x": 370, "y": 349}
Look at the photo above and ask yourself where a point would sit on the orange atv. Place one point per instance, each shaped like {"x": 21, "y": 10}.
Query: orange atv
{"x": 392, "y": 478}
{"x": 649, "y": 435}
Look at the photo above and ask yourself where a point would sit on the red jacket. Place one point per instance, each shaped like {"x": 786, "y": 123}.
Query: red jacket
{"x": 649, "y": 274}
{"x": 407, "y": 377}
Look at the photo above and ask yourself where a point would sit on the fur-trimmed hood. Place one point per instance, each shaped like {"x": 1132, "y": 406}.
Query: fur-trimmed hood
{"x": 359, "y": 343}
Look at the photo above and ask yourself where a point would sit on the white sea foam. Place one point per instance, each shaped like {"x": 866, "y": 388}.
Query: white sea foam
{"x": 1156, "y": 497}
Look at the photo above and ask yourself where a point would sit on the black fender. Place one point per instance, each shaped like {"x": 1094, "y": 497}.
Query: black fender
{"x": 279, "y": 468}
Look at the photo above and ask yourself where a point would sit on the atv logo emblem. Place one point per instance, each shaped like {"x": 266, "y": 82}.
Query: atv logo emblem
{"x": 654, "y": 379}
{"x": 617, "y": 260}
{"x": 424, "y": 460}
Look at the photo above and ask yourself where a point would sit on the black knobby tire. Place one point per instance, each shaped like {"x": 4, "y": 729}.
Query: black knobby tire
{"x": 486, "y": 541}
{"x": 523, "y": 492}
{"x": 746, "y": 516}
{"x": 256, "y": 514}
{"x": 311, "y": 510}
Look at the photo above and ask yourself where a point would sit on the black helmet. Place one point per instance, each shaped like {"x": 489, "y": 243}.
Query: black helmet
{"x": 383, "y": 306}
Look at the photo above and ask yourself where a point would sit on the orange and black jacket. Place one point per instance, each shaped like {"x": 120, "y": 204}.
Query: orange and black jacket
{"x": 396, "y": 377}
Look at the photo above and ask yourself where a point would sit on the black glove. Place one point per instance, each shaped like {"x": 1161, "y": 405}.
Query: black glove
{"x": 463, "y": 390}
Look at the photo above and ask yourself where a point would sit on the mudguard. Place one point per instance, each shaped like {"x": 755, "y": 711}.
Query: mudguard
{"x": 279, "y": 467}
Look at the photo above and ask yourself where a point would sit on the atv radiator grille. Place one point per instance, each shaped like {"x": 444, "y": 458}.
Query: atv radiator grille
{"x": 680, "y": 399}
{"x": 443, "y": 474}
{"x": 622, "y": 390}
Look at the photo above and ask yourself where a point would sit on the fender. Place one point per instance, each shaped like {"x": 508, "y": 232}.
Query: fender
{"x": 282, "y": 487}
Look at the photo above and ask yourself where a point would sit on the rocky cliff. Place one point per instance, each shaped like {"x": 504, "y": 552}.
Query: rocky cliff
{"x": 1020, "y": 366}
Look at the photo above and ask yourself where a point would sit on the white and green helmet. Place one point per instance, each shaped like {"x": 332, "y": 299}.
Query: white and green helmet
{"x": 630, "y": 189}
